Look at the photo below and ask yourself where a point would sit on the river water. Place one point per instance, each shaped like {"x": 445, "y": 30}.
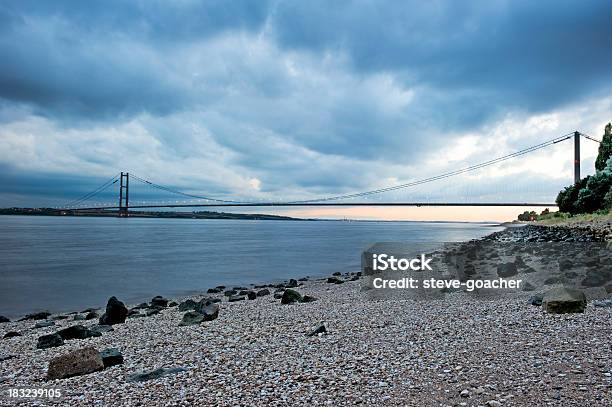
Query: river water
{"x": 71, "y": 263}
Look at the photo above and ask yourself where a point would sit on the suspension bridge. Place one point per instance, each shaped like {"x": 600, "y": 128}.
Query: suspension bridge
{"x": 123, "y": 179}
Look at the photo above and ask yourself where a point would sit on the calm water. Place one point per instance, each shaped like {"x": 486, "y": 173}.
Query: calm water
{"x": 63, "y": 264}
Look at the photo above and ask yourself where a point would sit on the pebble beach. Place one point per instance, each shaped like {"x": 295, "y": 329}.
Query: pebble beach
{"x": 454, "y": 351}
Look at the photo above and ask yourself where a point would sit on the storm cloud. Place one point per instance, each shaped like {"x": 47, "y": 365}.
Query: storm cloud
{"x": 291, "y": 100}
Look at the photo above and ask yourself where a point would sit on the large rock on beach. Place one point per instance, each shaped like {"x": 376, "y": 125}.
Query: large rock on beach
{"x": 11, "y": 334}
{"x": 290, "y": 296}
{"x": 75, "y": 363}
{"x": 77, "y": 332}
{"x": 562, "y": 300}
{"x": 263, "y": 292}
{"x": 159, "y": 301}
{"x": 4, "y": 319}
{"x": 36, "y": 316}
{"x": 116, "y": 312}
{"x": 334, "y": 280}
{"x": 49, "y": 341}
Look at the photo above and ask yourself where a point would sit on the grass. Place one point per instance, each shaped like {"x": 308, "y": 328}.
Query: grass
{"x": 555, "y": 218}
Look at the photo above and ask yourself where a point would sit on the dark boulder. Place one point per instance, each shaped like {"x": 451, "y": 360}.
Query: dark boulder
{"x": 243, "y": 292}
{"x": 308, "y": 298}
{"x": 75, "y": 363}
{"x": 142, "y": 305}
{"x": 159, "y": 301}
{"x": 187, "y": 305}
{"x": 152, "y": 311}
{"x": 91, "y": 315}
{"x": 536, "y": 299}
{"x": 49, "y": 341}
{"x": 192, "y": 318}
{"x": 11, "y": 334}
{"x": 172, "y": 304}
{"x": 77, "y": 332}
{"x": 78, "y": 317}
{"x": 337, "y": 273}
{"x": 214, "y": 290}
{"x": 251, "y": 295}
{"x": 116, "y": 312}
{"x": 562, "y": 300}
{"x": 263, "y": 292}
{"x": 334, "y": 280}
{"x": 290, "y": 296}
{"x": 36, "y": 316}
{"x": 111, "y": 357}
{"x": 229, "y": 293}
{"x": 4, "y": 319}
{"x": 292, "y": 283}
{"x": 235, "y": 298}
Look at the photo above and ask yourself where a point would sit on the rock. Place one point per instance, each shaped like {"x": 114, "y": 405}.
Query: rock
{"x": 278, "y": 295}
{"x": 133, "y": 313}
{"x": 292, "y": 283}
{"x": 91, "y": 315}
{"x": 159, "y": 301}
{"x": 320, "y": 329}
{"x": 528, "y": 286}
{"x": 36, "y": 316}
{"x": 101, "y": 329}
{"x": 187, "y": 305}
{"x": 151, "y": 312}
{"x": 290, "y": 296}
{"x": 536, "y": 299}
{"x": 43, "y": 324}
{"x": 78, "y": 317}
{"x": 213, "y": 290}
{"x": 235, "y": 298}
{"x": 142, "y": 305}
{"x": 77, "y": 332}
{"x": 308, "y": 298}
{"x": 172, "y": 304}
{"x": 11, "y": 334}
{"x": 263, "y": 292}
{"x": 111, "y": 357}
{"x": 59, "y": 317}
{"x": 354, "y": 278}
{"x": 493, "y": 403}
{"x": 7, "y": 357}
{"x": 220, "y": 287}
{"x": 229, "y": 293}
{"x": 303, "y": 279}
{"x": 116, "y": 312}
{"x": 4, "y": 319}
{"x": 251, "y": 295}
{"x": 603, "y": 303}
{"x": 49, "y": 341}
{"x": 334, "y": 280}
{"x": 337, "y": 273}
{"x": 75, "y": 363}
{"x": 561, "y": 300}
{"x": 192, "y": 318}
{"x": 154, "y": 374}
{"x": 505, "y": 270}
{"x": 465, "y": 393}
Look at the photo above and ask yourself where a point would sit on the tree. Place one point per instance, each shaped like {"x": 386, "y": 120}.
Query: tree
{"x": 605, "y": 149}
{"x": 567, "y": 198}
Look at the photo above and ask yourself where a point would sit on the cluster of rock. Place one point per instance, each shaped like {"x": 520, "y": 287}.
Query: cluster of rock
{"x": 548, "y": 234}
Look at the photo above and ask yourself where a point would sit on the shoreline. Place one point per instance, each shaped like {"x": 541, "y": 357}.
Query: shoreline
{"x": 501, "y": 351}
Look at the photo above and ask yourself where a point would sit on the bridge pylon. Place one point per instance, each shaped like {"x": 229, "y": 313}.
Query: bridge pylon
{"x": 124, "y": 194}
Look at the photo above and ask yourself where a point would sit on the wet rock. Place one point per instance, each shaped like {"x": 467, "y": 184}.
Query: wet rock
{"x": 75, "y": 363}
{"x": 77, "y": 332}
{"x": 204, "y": 311}
{"x": 319, "y": 329}
{"x": 278, "y": 294}
{"x": 562, "y": 300}
{"x": 172, "y": 304}
{"x": 151, "y": 312}
{"x": 154, "y": 374}
{"x": 235, "y": 298}
{"x": 308, "y": 298}
{"x": 142, "y": 305}
{"x": 116, "y": 312}
{"x": 159, "y": 301}
{"x": 78, "y": 317}
{"x": 49, "y": 341}
{"x": 11, "y": 334}
{"x": 290, "y": 296}
{"x": 192, "y": 318}
{"x": 213, "y": 290}
{"x": 111, "y": 357}
{"x": 91, "y": 315}
{"x": 4, "y": 319}
{"x": 229, "y": 293}
{"x": 43, "y": 324}
{"x": 251, "y": 295}
{"x": 187, "y": 305}
{"x": 337, "y": 273}
{"x": 36, "y": 316}
{"x": 334, "y": 280}
{"x": 292, "y": 283}
{"x": 603, "y": 303}
{"x": 263, "y": 292}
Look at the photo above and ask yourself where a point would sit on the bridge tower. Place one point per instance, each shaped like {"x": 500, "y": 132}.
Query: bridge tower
{"x": 576, "y": 157}
{"x": 124, "y": 194}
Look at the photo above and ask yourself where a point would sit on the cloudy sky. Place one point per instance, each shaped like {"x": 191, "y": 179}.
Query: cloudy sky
{"x": 278, "y": 100}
